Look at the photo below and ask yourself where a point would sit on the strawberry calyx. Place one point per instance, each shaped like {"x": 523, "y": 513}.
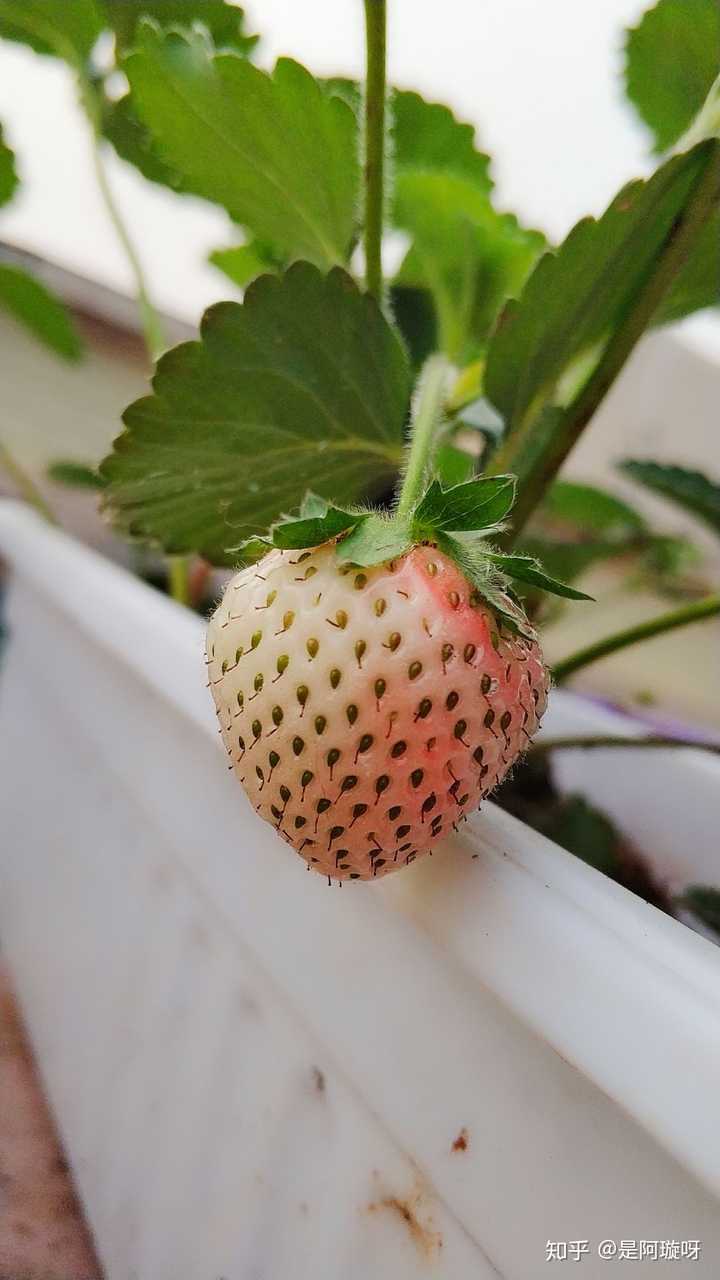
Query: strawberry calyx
{"x": 460, "y": 521}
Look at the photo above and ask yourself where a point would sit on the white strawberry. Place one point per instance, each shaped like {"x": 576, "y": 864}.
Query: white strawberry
{"x": 366, "y": 710}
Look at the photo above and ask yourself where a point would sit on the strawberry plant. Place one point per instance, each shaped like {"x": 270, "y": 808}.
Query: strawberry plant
{"x": 374, "y": 669}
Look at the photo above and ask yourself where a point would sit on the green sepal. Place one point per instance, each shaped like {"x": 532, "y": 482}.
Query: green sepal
{"x": 318, "y": 521}
{"x": 477, "y": 504}
{"x": 252, "y": 549}
{"x": 377, "y": 539}
{"x": 528, "y": 569}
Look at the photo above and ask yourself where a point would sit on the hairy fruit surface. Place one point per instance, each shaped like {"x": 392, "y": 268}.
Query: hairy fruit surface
{"x": 366, "y": 711}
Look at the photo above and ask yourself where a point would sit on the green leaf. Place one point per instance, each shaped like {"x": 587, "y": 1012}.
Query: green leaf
{"x": 585, "y": 831}
{"x": 32, "y": 304}
{"x": 673, "y": 57}
{"x": 225, "y": 22}
{"x": 318, "y": 522}
{"x": 67, "y": 30}
{"x": 377, "y": 539}
{"x": 469, "y": 257}
{"x": 243, "y": 263}
{"x": 567, "y": 560}
{"x": 704, "y": 902}
{"x": 427, "y": 137}
{"x": 477, "y": 504}
{"x": 415, "y": 316}
{"x": 302, "y": 386}
{"x": 586, "y": 508}
{"x": 690, "y": 490}
{"x": 558, "y": 348}
{"x": 8, "y": 175}
{"x": 528, "y": 570}
{"x": 276, "y": 151}
{"x": 698, "y": 284}
{"x": 75, "y": 475}
{"x": 134, "y": 142}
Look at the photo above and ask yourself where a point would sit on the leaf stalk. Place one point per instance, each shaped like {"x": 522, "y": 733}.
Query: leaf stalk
{"x": 696, "y": 612}
{"x": 374, "y": 143}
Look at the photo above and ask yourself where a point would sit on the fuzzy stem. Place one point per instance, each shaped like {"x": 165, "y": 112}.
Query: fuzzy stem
{"x": 375, "y": 30}
{"x": 701, "y": 609}
{"x": 589, "y": 742}
{"x": 427, "y": 411}
{"x": 25, "y": 484}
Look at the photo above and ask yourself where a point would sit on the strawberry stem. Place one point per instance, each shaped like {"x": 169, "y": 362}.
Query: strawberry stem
{"x": 374, "y": 168}
{"x": 428, "y": 408}
{"x": 695, "y": 612}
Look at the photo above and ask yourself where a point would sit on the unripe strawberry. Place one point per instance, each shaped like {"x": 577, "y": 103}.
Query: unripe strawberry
{"x": 366, "y": 711}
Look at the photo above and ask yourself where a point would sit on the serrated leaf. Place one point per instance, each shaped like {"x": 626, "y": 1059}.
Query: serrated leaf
{"x": 67, "y": 30}
{"x": 424, "y": 136}
{"x": 468, "y": 257}
{"x": 225, "y": 22}
{"x": 476, "y": 504}
{"x": 318, "y": 522}
{"x": 243, "y": 263}
{"x": 673, "y": 56}
{"x": 275, "y": 150}
{"x": 704, "y": 903}
{"x": 474, "y": 564}
{"x": 586, "y": 508}
{"x": 414, "y": 313}
{"x": 75, "y": 475}
{"x": 528, "y": 570}
{"x": 575, "y": 296}
{"x": 377, "y": 539}
{"x": 38, "y": 310}
{"x": 690, "y": 490}
{"x": 8, "y": 174}
{"x": 427, "y": 136}
{"x": 133, "y": 142}
{"x": 558, "y": 348}
{"x": 302, "y": 386}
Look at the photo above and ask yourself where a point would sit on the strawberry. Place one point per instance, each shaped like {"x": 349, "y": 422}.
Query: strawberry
{"x": 366, "y": 710}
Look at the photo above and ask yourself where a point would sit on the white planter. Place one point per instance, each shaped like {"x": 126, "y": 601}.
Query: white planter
{"x": 258, "y": 1076}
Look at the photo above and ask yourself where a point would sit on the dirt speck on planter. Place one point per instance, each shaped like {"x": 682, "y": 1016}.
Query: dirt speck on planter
{"x": 412, "y": 1211}
{"x": 462, "y": 1141}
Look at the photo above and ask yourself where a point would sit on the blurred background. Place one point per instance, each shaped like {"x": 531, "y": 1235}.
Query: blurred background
{"x": 542, "y": 83}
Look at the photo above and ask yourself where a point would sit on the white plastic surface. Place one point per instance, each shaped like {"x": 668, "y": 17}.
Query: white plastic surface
{"x": 258, "y": 1076}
